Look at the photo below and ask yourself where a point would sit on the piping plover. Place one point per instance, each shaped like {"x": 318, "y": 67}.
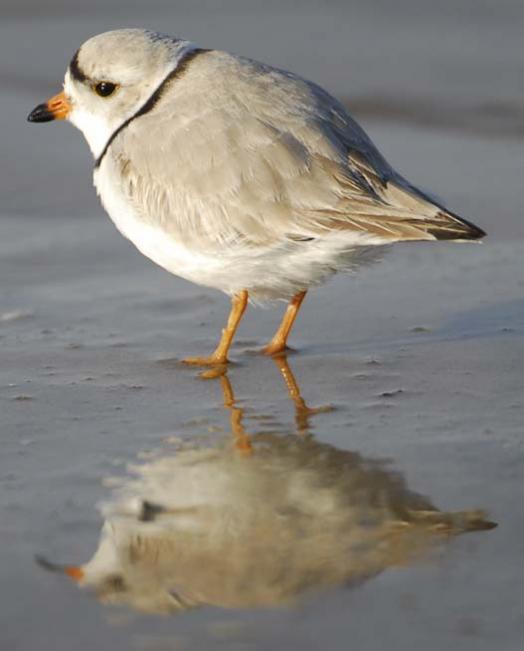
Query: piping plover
{"x": 234, "y": 174}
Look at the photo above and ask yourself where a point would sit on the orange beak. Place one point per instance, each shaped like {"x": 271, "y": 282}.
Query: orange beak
{"x": 75, "y": 572}
{"x": 56, "y": 108}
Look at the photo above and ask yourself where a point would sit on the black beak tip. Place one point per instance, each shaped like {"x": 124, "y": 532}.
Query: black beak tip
{"x": 45, "y": 564}
{"x": 40, "y": 114}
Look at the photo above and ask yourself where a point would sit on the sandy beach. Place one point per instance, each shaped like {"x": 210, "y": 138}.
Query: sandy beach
{"x": 418, "y": 359}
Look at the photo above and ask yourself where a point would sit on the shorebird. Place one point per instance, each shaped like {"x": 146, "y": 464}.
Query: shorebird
{"x": 234, "y": 174}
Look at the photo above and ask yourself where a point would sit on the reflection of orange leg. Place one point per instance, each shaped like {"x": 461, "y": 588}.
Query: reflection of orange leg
{"x": 302, "y": 411}
{"x": 279, "y": 342}
{"x": 289, "y": 379}
{"x": 242, "y": 441}
{"x": 238, "y": 307}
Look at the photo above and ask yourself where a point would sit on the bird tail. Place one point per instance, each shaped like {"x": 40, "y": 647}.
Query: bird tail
{"x": 389, "y": 208}
{"x": 454, "y": 522}
{"x": 449, "y": 226}
{"x": 430, "y": 219}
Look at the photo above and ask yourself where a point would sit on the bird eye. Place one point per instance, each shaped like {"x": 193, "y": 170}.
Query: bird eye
{"x": 105, "y": 88}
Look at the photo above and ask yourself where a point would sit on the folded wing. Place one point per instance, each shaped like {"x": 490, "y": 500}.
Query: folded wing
{"x": 240, "y": 152}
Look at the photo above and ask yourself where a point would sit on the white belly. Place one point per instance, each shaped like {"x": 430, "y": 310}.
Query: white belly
{"x": 154, "y": 243}
{"x": 275, "y": 272}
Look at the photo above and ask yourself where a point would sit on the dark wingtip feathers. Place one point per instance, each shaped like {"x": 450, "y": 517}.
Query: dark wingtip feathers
{"x": 448, "y": 226}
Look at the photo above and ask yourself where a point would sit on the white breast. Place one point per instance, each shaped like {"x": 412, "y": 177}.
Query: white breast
{"x": 277, "y": 271}
{"x": 153, "y": 242}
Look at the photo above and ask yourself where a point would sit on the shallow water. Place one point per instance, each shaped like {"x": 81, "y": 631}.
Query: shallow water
{"x": 415, "y": 365}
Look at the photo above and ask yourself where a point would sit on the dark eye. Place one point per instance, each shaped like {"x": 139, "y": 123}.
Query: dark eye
{"x": 105, "y": 88}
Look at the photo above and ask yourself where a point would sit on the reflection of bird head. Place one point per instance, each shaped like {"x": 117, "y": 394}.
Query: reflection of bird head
{"x": 212, "y": 526}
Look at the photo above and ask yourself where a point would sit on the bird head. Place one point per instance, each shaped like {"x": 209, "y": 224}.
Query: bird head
{"x": 113, "y": 77}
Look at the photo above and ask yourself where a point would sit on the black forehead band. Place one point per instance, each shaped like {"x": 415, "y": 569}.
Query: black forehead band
{"x": 75, "y": 70}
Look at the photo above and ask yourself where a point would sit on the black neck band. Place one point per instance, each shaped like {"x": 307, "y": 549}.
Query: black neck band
{"x": 154, "y": 98}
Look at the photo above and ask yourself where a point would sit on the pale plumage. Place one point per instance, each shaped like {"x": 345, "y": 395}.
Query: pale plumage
{"x": 234, "y": 174}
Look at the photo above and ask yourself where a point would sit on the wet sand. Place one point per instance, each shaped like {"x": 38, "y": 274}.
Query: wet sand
{"x": 420, "y": 356}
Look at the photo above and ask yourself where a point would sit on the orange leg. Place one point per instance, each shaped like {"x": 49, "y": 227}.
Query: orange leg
{"x": 238, "y": 307}
{"x": 279, "y": 342}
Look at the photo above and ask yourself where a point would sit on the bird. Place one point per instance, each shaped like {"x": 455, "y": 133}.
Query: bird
{"x": 234, "y": 174}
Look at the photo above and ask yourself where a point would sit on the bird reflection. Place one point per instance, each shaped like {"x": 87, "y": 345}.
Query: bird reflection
{"x": 257, "y": 519}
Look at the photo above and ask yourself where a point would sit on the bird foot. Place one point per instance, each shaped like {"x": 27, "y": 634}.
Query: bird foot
{"x": 274, "y": 349}
{"x": 212, "y": 360}
{"x": 213, "y": 372}
{"x": 313, "y": 411}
